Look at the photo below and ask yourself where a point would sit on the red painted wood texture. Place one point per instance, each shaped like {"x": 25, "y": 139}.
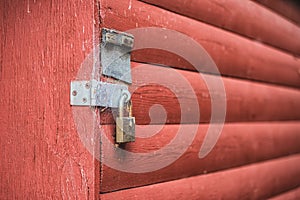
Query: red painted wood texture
{"x": 270, "y": 179}
{"x": 234, "y": 55}
{"x": 287, "y": 8}
{"x": 239, "y": 144}
{"x": 290, "y": 195}
{"x": 246, "y": 100}
{"x": 43, "y": 44}
{"x": 242, "y": 17}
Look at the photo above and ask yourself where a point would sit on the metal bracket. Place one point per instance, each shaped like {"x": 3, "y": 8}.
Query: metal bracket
{"x": 115, "y": 54}
{"x": 97, "y": 93}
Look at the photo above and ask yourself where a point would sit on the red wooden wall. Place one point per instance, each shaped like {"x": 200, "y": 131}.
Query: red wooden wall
{"x": 257, "y": 52}
{"x": 255, "y": 45}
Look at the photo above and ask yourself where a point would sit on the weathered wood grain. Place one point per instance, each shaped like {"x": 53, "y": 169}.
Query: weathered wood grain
{"x": 242, "y": 17}
{"x": 289, "y": 195}
{"x": 258, "y": 181}
{"x": 234, "y": 55}
{"x": 239, "y": 144}
{"x": 43, "y": 46}
{"x": 287, "y": 8}
{"x": 246, "y": 100}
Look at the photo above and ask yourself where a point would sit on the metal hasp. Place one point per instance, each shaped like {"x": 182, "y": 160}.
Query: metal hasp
{"x": 115, "y": 61}
{"x": 115, "y": 54}
{"x": 97, "y": 93}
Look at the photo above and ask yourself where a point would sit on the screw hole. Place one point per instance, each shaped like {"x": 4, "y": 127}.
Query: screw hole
{"x": 87, "y": 85}
{"x": 74, "y": 93}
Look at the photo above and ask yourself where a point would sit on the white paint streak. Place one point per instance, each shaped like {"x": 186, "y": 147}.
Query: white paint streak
{"x": 28, "y": 7}
{"x": 130, "y": 4}
{"x": 83, "y": 180}
{"x": 83, "y": 42}
{"x": 102, "y": 14}
{"x": 83, "y": 47}
{"x": 43, "y": 59}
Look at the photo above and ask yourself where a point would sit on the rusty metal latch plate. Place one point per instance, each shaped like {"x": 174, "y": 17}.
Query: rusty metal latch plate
{"x": 96, "y": 93}
{"x": 115, "y": 54}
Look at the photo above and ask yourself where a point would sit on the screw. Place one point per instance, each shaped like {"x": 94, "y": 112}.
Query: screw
{"x": 87, "y": 85}
{"x": 84, "y": 100}
{"x": 74, "y": 93}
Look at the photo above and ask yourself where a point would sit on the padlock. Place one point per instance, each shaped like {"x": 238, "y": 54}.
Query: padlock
{"x": 125, "y": 126}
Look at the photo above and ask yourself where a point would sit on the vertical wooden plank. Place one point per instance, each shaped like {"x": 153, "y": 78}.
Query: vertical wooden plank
{"x": 43, "y": 46}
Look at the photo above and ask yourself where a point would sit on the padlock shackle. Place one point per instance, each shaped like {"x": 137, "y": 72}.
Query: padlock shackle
{"x": 124, "y": 98}
{"x": 125, "y": 126}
